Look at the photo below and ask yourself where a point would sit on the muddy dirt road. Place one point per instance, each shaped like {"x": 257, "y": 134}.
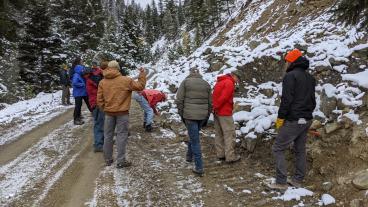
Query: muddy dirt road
{"x": 54, "y": 165}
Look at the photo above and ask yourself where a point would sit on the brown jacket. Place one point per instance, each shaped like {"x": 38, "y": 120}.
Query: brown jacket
{"x": 115, "y": 91}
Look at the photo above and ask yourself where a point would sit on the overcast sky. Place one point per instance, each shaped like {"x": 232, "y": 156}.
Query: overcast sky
{"x": 143, "y": 3}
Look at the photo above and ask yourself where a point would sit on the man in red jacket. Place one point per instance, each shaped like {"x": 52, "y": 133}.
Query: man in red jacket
{"x": 222, "y": 97}
{"x": 148, "y": 99}
{"x": 93, "y": 77}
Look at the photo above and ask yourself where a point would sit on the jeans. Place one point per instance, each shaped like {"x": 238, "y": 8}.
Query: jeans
{"x": 148, "y": 111}
{"x": 121, "y": 123}
{"x": 98, "y": 128}
{"x": 291, "y": 132}
{"x": 194, "y": 144}
{"x": 78, "y": 106}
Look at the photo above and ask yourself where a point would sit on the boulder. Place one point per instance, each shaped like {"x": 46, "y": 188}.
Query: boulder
{"x": 346, "y": 122}
{"x": 334, "y": 62}
{"x": 361, "y": 180}
{"x": 241, "y": 107}
{"x": 173, "y": 88}
{"x": 249, "y": 144}
{"x": 327, "y": 186}
{"x": 216, "y": 66}
{"x": 267, "y": 92}
{"x": 207, "y": 51}
{"x": 254, "y": 44}
{"x": 331, "y": 127}
{"x": 328, "y": 104}
{"x": 316, "y": 124}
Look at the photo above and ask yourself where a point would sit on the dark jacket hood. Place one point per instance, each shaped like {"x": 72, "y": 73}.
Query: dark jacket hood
{"x": 301, "y": 62}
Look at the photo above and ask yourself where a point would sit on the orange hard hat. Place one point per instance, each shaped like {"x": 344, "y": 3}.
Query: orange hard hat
{"x": 293, "y": 55}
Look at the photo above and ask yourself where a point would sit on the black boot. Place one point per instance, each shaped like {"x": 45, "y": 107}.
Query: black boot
{"x": 78, "y": 122}
{"x": 149, "y": 128}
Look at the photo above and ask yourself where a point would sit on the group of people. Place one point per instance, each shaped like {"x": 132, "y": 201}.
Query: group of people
{"x": 108, "y": 93}
{"x": 195, "y": 104}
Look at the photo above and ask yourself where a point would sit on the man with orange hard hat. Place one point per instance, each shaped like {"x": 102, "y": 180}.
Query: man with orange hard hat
{"x": 294, "y": 119}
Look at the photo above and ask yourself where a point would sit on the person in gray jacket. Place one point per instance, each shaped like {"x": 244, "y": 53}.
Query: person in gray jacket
{"x": 194, "y": 104}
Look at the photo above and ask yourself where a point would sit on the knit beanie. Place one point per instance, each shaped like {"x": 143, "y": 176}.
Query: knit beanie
{"x": 293, "y": 55}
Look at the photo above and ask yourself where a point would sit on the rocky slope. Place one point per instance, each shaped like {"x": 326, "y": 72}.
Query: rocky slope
{"x": 254, "y": 41}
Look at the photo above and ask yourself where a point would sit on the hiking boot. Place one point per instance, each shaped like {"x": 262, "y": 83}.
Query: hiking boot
{"x": 109, "y": 162}
{"x": 237, "y": 158}
{"x": 125, "y": 163}
{"x": 98, "y": 149}
{"x": 200, "y": 173}
{"x": 222, "y": 159}
{"x": 189, "y": 159}
{"x": 277, "y": 186}
{"x": 294, "y": 183}
{"x": 78, "y": 122}
{"x": 149, "y": 128}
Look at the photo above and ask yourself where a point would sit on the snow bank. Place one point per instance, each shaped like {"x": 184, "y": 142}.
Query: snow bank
{"x": 359, "y": 78}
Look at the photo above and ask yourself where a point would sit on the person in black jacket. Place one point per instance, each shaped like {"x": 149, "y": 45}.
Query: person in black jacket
{"x": 294, "y": 118}
{"x": 65, "y": 83}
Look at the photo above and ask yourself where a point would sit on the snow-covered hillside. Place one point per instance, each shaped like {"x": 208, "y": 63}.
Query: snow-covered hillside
{"x": 267, "y": 29}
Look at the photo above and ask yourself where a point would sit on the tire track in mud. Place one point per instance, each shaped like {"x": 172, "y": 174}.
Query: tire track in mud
{"x": 12, "y": 150}
{"x": 23, "y": 179}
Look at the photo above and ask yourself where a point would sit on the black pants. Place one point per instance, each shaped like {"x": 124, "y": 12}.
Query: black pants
{"x": 78, "y": 106}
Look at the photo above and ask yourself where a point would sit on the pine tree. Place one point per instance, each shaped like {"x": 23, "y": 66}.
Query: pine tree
{"x": 186, "y": 43}
{"x": 156, "y": 21}
{"x": 40, "y": 49}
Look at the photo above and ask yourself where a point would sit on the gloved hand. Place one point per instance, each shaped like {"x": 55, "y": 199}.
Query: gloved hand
{"x": 279, "y": 123}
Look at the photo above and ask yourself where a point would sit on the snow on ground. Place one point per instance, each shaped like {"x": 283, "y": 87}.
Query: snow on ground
{"x": 294, "y": 194}
{"x": 19, "y": 175}
{"x": 28, "y": 114}
{"x": 324, "y": 41}
{"x": 326, "y": 200}
{"x": 359, "y": 78}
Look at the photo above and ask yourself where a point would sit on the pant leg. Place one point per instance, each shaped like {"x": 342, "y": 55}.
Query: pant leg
{"x": 98, "y": 128}
{"x": 228, "y": 128}
{"x": 63, "y": 95}
{"x": 122, "y": 136}
{"x": 109, "y": 130}
{"x": 67, "y": 94}
{"x": 300, "y": 153}
{"x": 287, "y": 134}
{"x": 148, "y": 111}
{"x": 219, "y": 138}
{"x": 85, "y": 98}
{"x": 193, "y": 131}
{"x": 189, "y": 155}
{"x": 77, "y": 107}
{"x": 149, "y": 115}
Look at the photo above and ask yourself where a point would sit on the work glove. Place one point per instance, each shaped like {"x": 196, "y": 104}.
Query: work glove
{"x": 279, "y": 123}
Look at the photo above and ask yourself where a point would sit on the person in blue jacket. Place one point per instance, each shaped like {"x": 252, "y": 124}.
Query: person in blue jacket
{"x": 79, "y": 92}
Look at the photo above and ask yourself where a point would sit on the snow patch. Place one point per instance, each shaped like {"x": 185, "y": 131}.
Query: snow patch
{"x": 294, "y": 194}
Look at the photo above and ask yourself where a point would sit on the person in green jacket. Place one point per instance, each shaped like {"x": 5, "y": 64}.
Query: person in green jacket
{"x": 194, "y": 103}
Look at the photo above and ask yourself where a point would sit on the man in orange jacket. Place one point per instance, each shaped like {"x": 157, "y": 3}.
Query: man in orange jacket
{"x": 114, "y": 98}
{"x": 148, "y": 99}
